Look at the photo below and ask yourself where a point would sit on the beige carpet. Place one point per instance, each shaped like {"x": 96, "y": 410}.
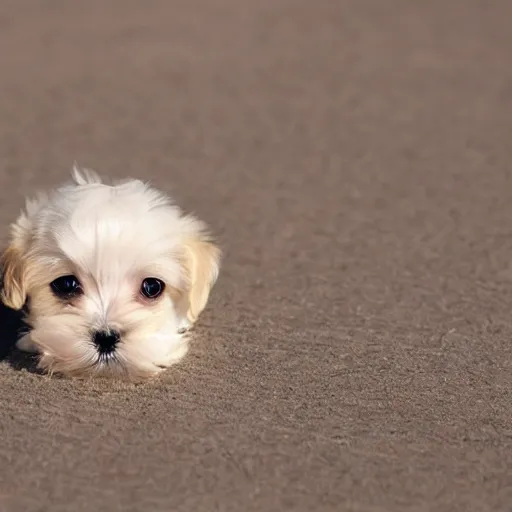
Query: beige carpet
{"x": 354, "y": 158}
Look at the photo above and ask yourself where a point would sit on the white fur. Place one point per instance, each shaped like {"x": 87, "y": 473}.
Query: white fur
{"x": 111, "y": 237}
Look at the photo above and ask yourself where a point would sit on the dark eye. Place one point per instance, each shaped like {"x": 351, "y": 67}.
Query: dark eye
{"x": 152, "y": 287}
{"x": 66, "y": 286}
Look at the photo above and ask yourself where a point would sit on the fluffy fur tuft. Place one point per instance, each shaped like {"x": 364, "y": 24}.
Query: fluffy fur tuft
{"x": 110, "y": 238}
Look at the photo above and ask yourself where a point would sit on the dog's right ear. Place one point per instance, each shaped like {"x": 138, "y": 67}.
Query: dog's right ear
{"x": 14, "y": 292}
{"x": 13, "y": 268}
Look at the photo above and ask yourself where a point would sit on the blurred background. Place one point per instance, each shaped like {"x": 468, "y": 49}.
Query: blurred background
{"x": 353, "y": 157}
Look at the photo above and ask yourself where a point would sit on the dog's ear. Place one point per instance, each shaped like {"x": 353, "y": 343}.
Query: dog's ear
{"x": 201, "y": 262}
{"x": 13, "y": 268}
{"x": 13, "y": 291}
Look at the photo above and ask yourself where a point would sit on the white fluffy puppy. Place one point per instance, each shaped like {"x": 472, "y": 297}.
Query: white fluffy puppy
{"x": 111, "y": 277}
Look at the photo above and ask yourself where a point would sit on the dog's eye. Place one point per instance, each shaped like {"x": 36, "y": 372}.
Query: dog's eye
{"x": 66, "y": 286}
{"x": 152, "y": 287}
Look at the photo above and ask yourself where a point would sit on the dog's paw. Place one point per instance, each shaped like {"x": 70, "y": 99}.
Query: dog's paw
{"x": 184, "y": 326}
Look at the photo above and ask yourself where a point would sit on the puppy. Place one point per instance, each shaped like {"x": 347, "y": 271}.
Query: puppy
{"x": 110, "y": 276}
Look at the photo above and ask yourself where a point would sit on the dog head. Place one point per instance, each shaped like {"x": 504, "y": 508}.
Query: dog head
{"x": 110, "y": 275}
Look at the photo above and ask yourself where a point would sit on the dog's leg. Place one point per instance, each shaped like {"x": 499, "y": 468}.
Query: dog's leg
{"x": 25, "y": 344}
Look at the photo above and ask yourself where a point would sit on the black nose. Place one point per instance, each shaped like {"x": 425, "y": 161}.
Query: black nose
{"x": 106, "y": 341}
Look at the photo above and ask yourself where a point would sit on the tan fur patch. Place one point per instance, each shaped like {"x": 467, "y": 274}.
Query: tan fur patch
{"x": 201, "y": 265}
{"x": 14, "y": 291}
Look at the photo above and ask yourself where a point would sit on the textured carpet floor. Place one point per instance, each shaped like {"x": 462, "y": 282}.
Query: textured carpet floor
{"x": 354, "y": 158}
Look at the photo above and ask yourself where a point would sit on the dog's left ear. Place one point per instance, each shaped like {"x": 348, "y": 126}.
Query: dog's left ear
{"x": 201, "y": 263}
